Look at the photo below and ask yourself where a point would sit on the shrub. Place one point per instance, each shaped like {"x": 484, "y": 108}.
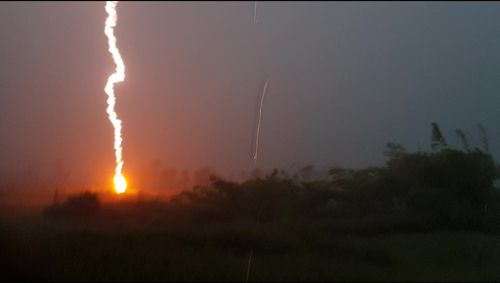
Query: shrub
{"x": 83, "y": 205}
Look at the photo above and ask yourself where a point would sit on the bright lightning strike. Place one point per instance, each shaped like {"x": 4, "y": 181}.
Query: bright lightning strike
{"x": 119, "y": 76}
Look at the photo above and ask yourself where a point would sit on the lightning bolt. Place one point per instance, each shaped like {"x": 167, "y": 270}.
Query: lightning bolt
{"x": 118, "y": 76}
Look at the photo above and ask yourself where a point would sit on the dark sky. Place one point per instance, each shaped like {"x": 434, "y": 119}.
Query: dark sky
{"x": 344, "y": 79}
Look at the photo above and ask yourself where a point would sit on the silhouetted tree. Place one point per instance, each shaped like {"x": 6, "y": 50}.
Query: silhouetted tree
{"x": 463, "y": 139}
{"x": 484, "y": 137}
{"x": 394, "y": 150}
{"x": 437, "y": 141}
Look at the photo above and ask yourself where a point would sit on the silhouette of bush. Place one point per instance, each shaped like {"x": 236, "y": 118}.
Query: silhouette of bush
{"x": 465, "y": 175}
{"x": 442, "y": 189}
{"x": 450, "y": 185}
{"x": 83, "y": 205}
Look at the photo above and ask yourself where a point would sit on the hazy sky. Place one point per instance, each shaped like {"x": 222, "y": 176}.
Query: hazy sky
{"x": 344, "y": 79}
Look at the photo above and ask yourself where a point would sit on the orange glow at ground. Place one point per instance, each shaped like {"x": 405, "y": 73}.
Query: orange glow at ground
{"x": 120, "y": 184}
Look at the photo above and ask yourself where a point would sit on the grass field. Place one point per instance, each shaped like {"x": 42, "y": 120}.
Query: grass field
{"x": 147, "y": 242}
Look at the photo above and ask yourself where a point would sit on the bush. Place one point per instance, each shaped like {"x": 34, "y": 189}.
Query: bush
{"x": 467, "y": 176}
{"x": 449, "y": 186}
{"x": 83, "y": 205}
{"x": 448, "y": 189}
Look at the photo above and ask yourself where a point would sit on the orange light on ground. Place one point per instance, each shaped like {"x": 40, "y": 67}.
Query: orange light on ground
{"x": 120, "y": 184}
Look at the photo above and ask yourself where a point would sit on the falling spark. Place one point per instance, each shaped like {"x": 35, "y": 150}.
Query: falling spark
{"x": 119, "y": 76}
{"x": 255, "y": 12}
{"x": 255, "y": 155}
{"x": 249, "y": 265}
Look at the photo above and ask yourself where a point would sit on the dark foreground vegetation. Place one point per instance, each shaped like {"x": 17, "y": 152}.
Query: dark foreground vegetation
{"x": 424, "y": 216}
